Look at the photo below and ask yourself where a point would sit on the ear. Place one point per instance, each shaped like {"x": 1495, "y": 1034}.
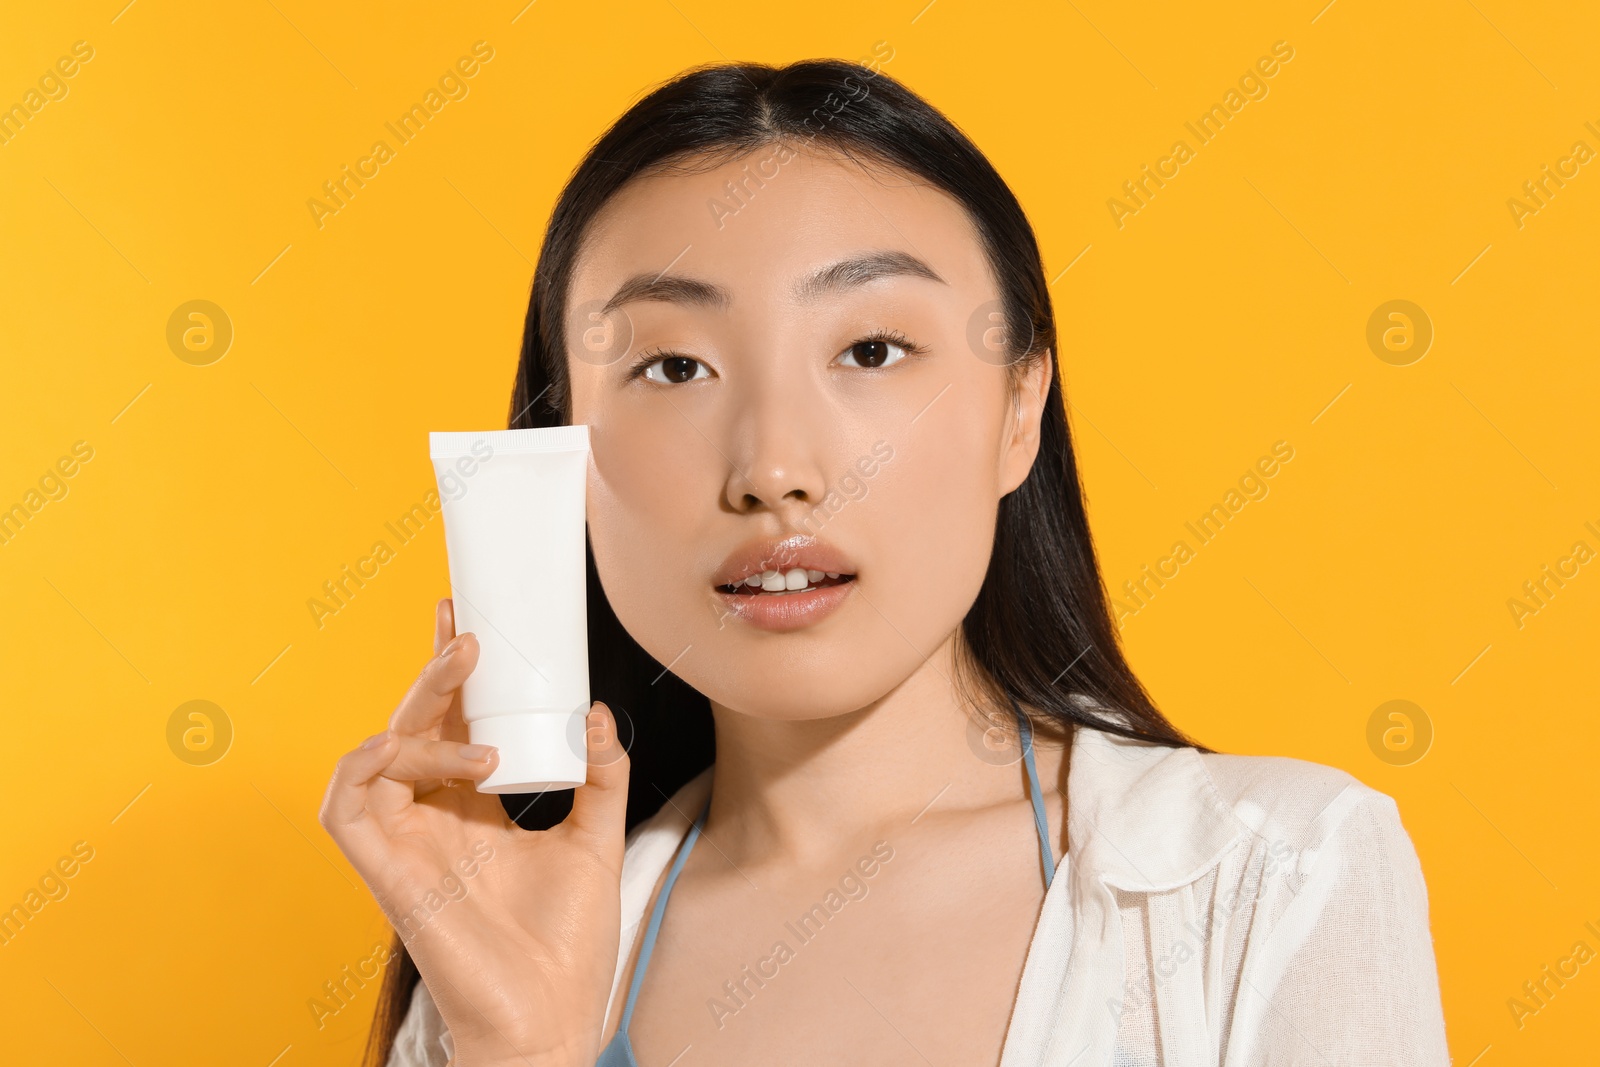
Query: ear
{"x": 1023, "y": 416}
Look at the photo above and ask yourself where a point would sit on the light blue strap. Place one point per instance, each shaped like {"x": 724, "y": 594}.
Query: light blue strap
{"x": 655, "y": 920}
{"x": 1046, "y": 853}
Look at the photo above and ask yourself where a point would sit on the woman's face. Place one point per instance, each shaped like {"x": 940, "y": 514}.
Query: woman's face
{"x": 808, "y": 367}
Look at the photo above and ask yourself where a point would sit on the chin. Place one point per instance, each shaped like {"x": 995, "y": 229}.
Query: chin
{"x": 827, "y": 678}
{"x": 793, "y": 705}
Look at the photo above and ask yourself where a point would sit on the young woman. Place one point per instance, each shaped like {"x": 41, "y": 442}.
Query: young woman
{"x": 865, "y": 720}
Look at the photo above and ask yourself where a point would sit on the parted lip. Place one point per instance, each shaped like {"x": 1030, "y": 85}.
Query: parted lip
{"x": 762, "y": 554}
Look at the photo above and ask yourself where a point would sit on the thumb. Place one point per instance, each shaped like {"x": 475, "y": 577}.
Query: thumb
{"x": 600, "y": 805}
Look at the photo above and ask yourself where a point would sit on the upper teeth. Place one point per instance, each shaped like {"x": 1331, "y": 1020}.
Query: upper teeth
{"x": 774, "y": 581}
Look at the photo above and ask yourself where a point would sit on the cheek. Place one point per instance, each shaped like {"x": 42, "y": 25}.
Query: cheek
{"x": 932, "y": 531}
{"x": 649, "y": 494}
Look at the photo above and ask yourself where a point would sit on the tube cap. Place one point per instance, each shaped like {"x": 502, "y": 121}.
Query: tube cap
{"x": 539, "y": 750}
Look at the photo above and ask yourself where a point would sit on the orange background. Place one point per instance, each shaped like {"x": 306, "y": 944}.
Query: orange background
{"x": 1228, "y": 313}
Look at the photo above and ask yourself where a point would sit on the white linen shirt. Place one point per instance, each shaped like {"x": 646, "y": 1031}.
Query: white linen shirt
{"x": 1219, "y": 910}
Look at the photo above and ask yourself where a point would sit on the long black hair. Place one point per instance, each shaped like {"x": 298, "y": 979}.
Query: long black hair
{"x": 1040, "y": 631}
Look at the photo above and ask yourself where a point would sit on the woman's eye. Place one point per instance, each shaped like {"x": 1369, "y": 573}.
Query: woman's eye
{"x": 876, "y": 352}
{"x": 674, "y": 370}
{"x": 870, "y": 353}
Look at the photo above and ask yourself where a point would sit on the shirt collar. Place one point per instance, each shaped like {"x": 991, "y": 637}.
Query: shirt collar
{"x": 1143, "y": 816}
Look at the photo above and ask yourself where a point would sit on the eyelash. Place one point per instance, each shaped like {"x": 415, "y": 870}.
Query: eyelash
{"x": 893, "y": 337}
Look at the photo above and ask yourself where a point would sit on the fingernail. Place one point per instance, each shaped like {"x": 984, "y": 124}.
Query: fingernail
{"x": 451, "y": 648}
{"x": 375, "y": 740}
{"x": 480, "y": 753}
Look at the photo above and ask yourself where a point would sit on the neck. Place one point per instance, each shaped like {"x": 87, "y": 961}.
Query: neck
{"x": 798, "y": 791}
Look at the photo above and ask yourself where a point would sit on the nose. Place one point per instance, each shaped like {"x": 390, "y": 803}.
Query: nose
{"x": 778, "y": 451}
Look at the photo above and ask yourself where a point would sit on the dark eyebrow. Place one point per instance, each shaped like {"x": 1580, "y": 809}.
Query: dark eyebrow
{"x": 671, "y": 288}
{"x": 845, "y": 274}
{"x": 859, "y": 270}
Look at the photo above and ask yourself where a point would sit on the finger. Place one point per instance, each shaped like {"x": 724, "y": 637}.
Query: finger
{"x": 344, "y": 806}
{"x": 427, "y": 702}
{"x": 600, "y": 805}
{"x": 444, "y": 624}
{"x": 454, "y": 727}
{"x": 419, "y": 759}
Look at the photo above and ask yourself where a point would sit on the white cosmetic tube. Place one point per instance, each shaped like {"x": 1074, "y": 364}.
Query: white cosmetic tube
{"x": 514, "y": 508}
